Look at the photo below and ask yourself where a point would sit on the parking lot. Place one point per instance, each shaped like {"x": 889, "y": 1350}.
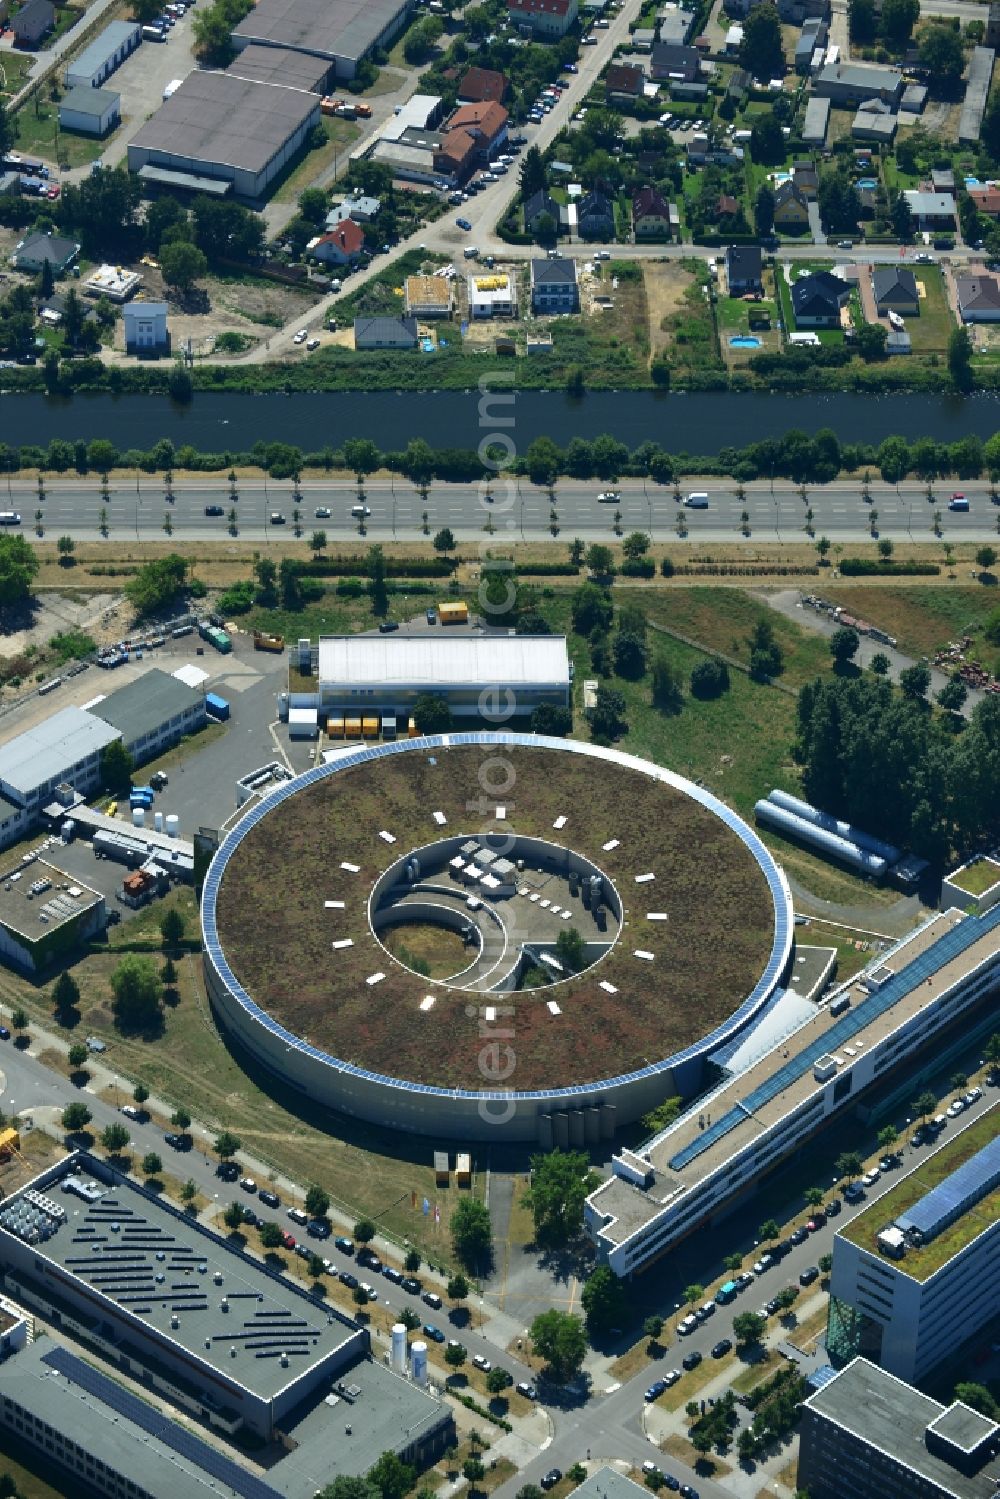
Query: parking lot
{"x": 141, "y": 80}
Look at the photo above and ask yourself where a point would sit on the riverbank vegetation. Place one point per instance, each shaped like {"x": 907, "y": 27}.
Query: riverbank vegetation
{"x": 797, "y": 456}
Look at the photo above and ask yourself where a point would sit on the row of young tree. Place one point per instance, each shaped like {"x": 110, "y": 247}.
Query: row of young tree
{"x": 806, "y": 458}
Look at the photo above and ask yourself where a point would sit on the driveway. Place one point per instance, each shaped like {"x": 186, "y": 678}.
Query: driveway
{"x": 816, "y": 228}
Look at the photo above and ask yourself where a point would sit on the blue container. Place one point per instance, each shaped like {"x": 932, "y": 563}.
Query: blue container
{"x": 216, "y": 707}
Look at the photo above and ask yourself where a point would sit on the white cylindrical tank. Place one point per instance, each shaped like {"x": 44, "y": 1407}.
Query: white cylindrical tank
{"x": 173, "y": 825}
{"x": 398, "y": 1356}
{"x": 418, "y": 1362}
{"x": 138, "y": 817}
{"x": 158, "y": 821}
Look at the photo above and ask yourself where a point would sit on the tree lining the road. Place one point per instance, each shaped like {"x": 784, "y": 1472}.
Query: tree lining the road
{"x": 819, "y": 458}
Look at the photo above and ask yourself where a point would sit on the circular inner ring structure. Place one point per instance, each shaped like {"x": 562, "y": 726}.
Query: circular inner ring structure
{"x": 683, "y": 928}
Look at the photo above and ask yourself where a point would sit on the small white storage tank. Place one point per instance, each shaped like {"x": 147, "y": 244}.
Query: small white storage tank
{"x": 138, "y": 817}
{"x": 398, "y": 1356}
{"x": 173, "y": 825}
{"x": 418, "y": 1362}
{"x": 158, "y": 821}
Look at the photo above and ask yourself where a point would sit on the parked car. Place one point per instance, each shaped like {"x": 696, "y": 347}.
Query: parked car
{"x": 871, "y": 1177}
{"x": 432, "y": 1299}
{"x": 318, "y": 1228}
{"x": 463, "y": 223}
{"x": 691, "y": 1360}
{"x": 527, "y": 1390}
{"x": 816, "y": 1221}
{"x": 973, "y": 1096}
{"x": 347, "y": 1279}
{"x": 301, "y": 336}
{"x": 832, "y": 1208}
{"x": 809, "y": 1274}
{"x": 346, "y": 1246}
{"x": 799, "y": 1235}
{"x": 764, "y": 1263}
{"x": 393, "y": 1275}
{"x": 671, "y": 1377}
{"x": 288, "y": 1240}
{"x": 480, "y": 1362}
{"x": 722, "y": 1347}
{"x": 369, "y": 1290}
{"x": 4, "y": 1033}
{"x": 178, "y": 1142}
{"x": 744, "y": 1279}
{"x": 411, "y": 1285}
{"x": 956, "y": 1107}
{"x": 269, "y": 1199}
{"x": 387, "y": 626}
{"x": 773, "y": 1307}
{"x": 854, "y": 1192}
{"x": 434, "y": 1333}
{"x": 551, "y": 1478}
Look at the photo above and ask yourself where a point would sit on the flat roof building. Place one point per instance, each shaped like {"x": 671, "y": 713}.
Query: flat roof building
{"x": 977, "y": 92}
{"x": 221, "y": 127}
{"x": 45, "y": 914}
{"x": 387, "y": 673}
{"x": 282, "y": 65}
{"x": 867, "y": 1434}
{"x": 695, "y": 1171}
{"x": 152, "y": 713}
{"x": 90, "y": 111}
{"x": 910, "y": 1300}
{"x": 234, "y": 1345}
{"x": 342, "y": 31}
{"x": 65, "y": 747}
{"x": 138, "y": 1277}
{"x": 851, "y": 83}
{"x": 105, "y": 53}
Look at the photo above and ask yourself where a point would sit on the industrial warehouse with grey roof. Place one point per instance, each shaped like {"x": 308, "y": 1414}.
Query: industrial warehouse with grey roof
{"x": 223, "y": 127}
{"x": 281, "y": 65}
{"x": 345, "y": 31}
{"x": 142, "y": 1276}
{"x": 155, "y": 710}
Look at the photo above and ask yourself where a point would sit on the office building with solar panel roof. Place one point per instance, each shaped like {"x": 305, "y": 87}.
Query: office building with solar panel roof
{"x": 921, "y": 994}
{"x": 917, "y": 1275}
{"x": 142, "y": 1298}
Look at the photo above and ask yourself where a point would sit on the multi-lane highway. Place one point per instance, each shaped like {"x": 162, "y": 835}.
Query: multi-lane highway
{"x": 517, "y": 510}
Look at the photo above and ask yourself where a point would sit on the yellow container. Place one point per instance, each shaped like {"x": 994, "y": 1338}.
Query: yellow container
{"x": 335, "y": 728}
{"x": 370, "y": 728}
{"x": 352, "y": 728}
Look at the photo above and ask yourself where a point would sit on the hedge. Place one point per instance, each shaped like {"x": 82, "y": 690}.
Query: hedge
{"x": 395, "y": 567}
{"x": 869, "y": 567}
{"x": 549, "y": 569}
{"x": 638, "y": 567}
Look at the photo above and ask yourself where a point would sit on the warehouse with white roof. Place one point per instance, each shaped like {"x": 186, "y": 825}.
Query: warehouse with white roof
{"x": 385, "y": 674}
{"x": 65, "y": 747}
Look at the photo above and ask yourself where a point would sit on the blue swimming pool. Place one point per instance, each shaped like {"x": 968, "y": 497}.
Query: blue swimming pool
{"x": 972, "y": 182}
{"x": 744, "y": 341}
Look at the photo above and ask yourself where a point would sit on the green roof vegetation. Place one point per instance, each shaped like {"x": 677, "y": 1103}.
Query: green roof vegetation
{"x": 926, "y": 1261}
{"x": 277, "y": 933}
{"x": 977, "y": 878}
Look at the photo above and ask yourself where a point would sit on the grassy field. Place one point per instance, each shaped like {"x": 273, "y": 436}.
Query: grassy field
{"x": 14, "y": 70}
{"x": 339, "y": 135}
{"x": 722, "y": 620}
{"x": 922, "y": 618}
{"x": 38, "y": 131}
{"x": 365, "y": 1170}
{"x": 930, "y": 331}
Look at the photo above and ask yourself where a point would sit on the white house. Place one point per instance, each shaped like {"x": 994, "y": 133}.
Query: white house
{"x": 90, "y": 111}
{"x": 146, "y": 329}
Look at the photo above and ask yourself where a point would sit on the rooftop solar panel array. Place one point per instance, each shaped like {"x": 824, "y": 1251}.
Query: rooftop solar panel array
{"x": 921, "y": 968}
{"x": 939, "y": 1208}
{"x": 148, "y": 1419}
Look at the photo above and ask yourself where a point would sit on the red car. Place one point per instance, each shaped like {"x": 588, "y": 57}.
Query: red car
{"x": 288, "y": 1241}
{"x": 53, "y": 190}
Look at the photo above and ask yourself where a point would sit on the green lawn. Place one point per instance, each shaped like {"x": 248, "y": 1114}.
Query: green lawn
{"x": 340, "y": 136}
{"x": 14, "y": 70}
{"x": 37, "y": 126}
{"x": 978, "y": 878}
{"x": 922, "y": 618}
{"x": 931, "y": 330}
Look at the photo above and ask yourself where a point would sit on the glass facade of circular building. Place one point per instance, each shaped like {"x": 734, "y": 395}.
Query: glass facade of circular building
{"x": 682, "y": 923}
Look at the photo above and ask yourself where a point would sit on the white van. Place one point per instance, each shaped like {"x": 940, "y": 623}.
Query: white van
{"x": 360, "y": 512}
{"x": 698, "y": 500}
